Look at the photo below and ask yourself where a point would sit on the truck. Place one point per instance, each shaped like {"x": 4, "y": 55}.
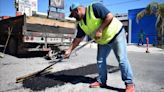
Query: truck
{"x": 22, "y": 34}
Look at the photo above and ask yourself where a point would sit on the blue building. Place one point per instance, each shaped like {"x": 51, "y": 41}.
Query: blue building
{"x": 147, "y": 24}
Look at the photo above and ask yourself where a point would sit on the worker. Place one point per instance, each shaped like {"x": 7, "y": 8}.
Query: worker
{"x": 141, "y": 37}
{"x": 98, "y": 23}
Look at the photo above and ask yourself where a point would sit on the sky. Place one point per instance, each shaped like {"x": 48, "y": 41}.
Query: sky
{"x": 7, "y": 7}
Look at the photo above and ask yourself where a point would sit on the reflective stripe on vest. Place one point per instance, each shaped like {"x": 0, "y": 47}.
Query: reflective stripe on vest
{"x": 93, "y": 23}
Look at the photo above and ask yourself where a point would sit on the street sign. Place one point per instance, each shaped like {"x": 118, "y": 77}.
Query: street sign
{"x": 56, "y": 3}
{"x": 27, "y": 6}
{"x": 55, "y": 15}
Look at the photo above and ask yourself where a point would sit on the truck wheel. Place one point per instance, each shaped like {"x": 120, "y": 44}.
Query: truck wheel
{"x": 12, "y": 46}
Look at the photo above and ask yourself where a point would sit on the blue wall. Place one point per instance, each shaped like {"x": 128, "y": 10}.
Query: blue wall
{"x": 147, "y": 24}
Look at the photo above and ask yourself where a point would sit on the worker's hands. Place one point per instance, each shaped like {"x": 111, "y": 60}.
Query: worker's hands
{"x": 98, "y": 34}
{"x": 67, "y": 53}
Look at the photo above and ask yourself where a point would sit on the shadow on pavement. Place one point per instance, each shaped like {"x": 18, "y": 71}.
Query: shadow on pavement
{"x": 73, "y": 76}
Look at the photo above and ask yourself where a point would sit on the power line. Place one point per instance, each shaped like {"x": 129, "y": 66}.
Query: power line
{"x": 110, "y": 4}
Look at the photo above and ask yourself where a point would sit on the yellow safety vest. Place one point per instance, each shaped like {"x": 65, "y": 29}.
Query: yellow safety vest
{"x": 93, "y": 23}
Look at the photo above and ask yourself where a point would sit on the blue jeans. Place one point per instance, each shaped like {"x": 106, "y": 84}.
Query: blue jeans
{"x": 119, "y": 47}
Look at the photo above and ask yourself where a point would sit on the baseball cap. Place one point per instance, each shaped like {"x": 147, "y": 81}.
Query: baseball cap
{"x": 72, "y": 7}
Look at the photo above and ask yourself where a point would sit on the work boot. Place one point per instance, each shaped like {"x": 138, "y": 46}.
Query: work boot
{"x": 97, "y": 85}
{"x": 130, "y": 88}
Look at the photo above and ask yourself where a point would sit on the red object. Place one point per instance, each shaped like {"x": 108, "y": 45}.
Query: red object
{"x": 147, "y": 45}
{"x": 96, "y": 85}
{"x": 27, "y": 38}
{"x": 5, "y": 17}
{"x": 130, "y": 88}
{"x": 32, "y": 38}
{"x": 18, "y": 13}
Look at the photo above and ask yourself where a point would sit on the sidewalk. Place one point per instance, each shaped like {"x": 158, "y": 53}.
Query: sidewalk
{"x": 143, "y": 49}
{"x": 132, "y": 47}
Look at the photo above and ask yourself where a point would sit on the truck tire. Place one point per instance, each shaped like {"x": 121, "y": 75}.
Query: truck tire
{"x": 12, "y": 46}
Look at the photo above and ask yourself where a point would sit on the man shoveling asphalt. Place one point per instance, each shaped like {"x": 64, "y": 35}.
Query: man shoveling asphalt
{"x": 108, "y": 32}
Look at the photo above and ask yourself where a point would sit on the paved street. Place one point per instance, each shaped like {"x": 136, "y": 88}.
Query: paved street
{"x": 75, "y": 74}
